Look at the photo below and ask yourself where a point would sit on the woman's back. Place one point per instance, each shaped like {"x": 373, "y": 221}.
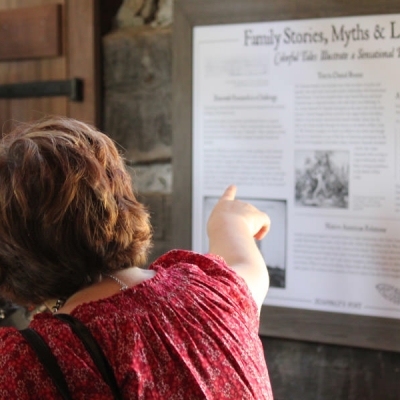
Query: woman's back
{"x": 69, "y": 219}
{"x": 191, "y": 332}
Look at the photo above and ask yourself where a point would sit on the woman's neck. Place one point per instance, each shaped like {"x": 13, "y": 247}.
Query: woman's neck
{"x": 109, "y": 285}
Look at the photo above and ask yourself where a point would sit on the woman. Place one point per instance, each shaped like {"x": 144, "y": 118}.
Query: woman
{"x": 73, "y": 236}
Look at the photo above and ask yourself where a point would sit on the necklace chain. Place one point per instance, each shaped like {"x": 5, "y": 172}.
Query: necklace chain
{"x": 58, "y": 305}
{"x": 60, "y": 302}
{"x": 123, "y": 285}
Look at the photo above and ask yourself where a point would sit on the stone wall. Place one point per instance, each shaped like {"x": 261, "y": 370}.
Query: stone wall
{"x": 137, "y": 104}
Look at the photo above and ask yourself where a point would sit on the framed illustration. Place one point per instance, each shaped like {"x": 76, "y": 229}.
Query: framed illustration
{"x": 298, "y": 104}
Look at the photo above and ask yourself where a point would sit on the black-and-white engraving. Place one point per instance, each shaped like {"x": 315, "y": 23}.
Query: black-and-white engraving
{"x": 389, "y": 292}
{"x": 322, "y": 178}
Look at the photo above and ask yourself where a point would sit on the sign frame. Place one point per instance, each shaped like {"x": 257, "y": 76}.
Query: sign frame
{"x": 289, "y": 323}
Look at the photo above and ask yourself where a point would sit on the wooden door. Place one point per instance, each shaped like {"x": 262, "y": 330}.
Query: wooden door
{"x": 49, "y": 40}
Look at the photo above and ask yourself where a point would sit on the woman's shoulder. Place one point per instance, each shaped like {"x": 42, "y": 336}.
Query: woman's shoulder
{"x": 15, "y": 363}
{"x": 210, "y": 265}
{"x": 207, "y": 270}
{"x": 178, "y": 257}
{"x": 14, "y": 351}
{"x": 9, "y": 336}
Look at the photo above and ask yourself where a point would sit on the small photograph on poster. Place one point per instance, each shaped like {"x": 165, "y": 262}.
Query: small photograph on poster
{"x": 273, "y": 245}
{"x": 322, "y": 178}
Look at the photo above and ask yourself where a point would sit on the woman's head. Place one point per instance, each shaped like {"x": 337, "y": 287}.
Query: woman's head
{"x": 67, "y": 210}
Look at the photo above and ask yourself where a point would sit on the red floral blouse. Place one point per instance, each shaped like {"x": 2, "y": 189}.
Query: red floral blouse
{"x": 190, "y": 332}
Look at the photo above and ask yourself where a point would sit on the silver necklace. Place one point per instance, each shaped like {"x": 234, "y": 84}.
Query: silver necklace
{"x": 60, "y": 302}
{"x": 123, "y": 285}
{"x": 58, "y": 305}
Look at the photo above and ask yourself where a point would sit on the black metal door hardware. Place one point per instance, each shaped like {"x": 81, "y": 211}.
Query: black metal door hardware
{"x": 70, "y": 87}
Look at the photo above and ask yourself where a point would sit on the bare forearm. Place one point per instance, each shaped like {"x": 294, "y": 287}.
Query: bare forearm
{"x": 238, "y": 248}
{"x": 231, "y": 228}
{"x": 236, "y": 245}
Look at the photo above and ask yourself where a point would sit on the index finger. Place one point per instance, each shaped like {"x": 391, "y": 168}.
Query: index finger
{"x": 229, "y": 193}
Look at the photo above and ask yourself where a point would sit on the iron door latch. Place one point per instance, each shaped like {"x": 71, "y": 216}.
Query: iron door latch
{"x": 70, "y": 87}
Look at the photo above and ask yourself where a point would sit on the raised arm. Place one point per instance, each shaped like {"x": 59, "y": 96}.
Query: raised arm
{"x": 232, "y": 228}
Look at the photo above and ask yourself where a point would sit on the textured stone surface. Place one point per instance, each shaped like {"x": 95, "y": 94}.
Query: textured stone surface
{"x": 128, "y": 14}
{"x": 131, "y": 7}
{"x": 148, "y": 10}
{"x": 160, "y": 247}
{"x": 159, "y": 205}
{"x": 309, "y": 371}
{"x": 138, "y": 91}
{"x": 139, "y": 12}
{"x": 152, "y": 178}
{"x": 165, "y": 12}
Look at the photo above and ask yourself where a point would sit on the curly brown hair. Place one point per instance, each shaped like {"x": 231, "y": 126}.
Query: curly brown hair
{"x": 67, "y": 211}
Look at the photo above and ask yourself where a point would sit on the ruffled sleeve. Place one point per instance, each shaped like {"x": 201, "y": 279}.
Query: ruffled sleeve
{"x": 214, "y": 270}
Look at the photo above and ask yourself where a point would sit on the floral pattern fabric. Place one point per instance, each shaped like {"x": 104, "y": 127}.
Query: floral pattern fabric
{"x": 190, "y": 332}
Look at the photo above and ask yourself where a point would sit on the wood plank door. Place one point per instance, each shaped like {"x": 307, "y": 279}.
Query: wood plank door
{"x": 49, "y": 40}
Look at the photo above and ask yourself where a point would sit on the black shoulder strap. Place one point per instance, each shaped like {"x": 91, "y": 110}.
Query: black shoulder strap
{"x": 94, "y": 350}
{"x": 48, "y": 360}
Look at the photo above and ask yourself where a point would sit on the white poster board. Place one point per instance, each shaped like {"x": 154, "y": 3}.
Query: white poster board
{"x": 304, "y": 117}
